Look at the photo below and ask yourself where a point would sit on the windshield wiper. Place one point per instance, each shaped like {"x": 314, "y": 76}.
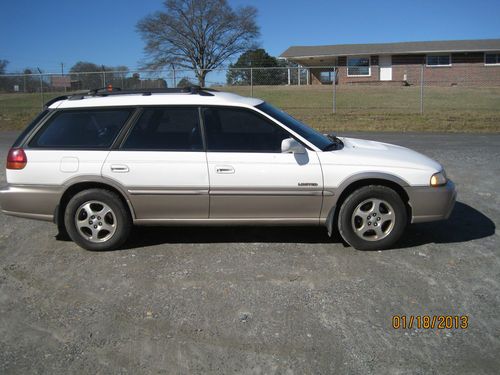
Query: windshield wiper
{"x": 336, "y": 143}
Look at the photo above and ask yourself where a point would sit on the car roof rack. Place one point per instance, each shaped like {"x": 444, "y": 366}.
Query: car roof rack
{"x": 108, "y": 91}
{"x": 56, "y": 99}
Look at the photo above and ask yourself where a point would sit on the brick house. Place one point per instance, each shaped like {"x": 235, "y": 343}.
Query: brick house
{"x": 452, "y": 62}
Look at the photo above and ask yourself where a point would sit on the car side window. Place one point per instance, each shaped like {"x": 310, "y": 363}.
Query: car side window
{"x": 166, "y": 129}
{"x": 89, "y": 128}
{"x": 241, "y": 130}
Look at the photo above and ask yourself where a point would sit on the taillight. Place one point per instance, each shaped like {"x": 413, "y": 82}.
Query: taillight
{"x": 16, "y": 159}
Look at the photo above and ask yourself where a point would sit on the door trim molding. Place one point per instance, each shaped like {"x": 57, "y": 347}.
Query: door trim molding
{"x": 230, "y": 221}
{"x": 269, "y": 192}
{"x": 173, "y": 191}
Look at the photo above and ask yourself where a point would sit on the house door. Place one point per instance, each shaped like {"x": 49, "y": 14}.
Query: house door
{"x": 385, "y": 63}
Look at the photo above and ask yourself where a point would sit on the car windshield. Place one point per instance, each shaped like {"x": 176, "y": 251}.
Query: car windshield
{"x": 316, "y": 138}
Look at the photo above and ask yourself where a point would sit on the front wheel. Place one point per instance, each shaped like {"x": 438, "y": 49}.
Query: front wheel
{"x": 96, "y": 219}
{"x": 372, "y": 218}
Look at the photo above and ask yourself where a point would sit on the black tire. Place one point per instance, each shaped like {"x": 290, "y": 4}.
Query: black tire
{"x": 118, "y": 218}
{"x": 366, "y": 232}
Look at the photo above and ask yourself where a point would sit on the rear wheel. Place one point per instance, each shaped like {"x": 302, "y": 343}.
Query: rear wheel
{"x": 372, "y": 218}
{"x": 96, "y": 219}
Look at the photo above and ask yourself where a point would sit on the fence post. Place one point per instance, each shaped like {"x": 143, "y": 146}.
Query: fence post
{"x": 422, "y": 89}
{"x": 62, "y": 76}
{"x": 334, "y": 109}
{"x": 103, "y": 76}
{"x": 41, "y": 87}
{"x": 298, "y": 76}
{"x": 289, "y": 77}
{"x": 251, "y": 82}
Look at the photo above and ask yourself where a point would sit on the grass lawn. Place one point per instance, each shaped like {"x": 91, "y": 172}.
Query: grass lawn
{"x": 446, "y": 109}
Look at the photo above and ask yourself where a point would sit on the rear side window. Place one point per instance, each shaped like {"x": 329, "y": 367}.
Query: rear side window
{"x": 241, "y": 130}
{"x": 94, "y": 129}
{"x": 29, "y": 128}
{"x": 166, "y": 129}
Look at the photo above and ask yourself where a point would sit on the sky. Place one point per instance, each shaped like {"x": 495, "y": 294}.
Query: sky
{"x": 47, "y": 33}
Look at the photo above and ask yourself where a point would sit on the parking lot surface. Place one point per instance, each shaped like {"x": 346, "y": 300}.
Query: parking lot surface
{"x": 262, "y": 300}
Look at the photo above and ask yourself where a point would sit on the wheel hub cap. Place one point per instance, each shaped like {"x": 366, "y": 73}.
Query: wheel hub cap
{"x": 373, "y": 219}
{"x": 95, "y": 221}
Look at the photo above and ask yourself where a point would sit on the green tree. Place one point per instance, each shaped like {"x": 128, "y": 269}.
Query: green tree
{"x": 240, "y": 73}
{"x": 4, "y": 81}
{"x": 198, "y": 35}
{"x": 91, "y": 76}
{"x": 185, "y": 82}
{"x": 29, "y": 83}
{"x": 87, "y": 75}
{"x": 3, "y": 65}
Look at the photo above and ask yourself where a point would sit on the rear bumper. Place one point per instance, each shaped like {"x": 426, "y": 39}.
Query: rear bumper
{"x": 30, "y": 201}
{"x": 431, "y": 203}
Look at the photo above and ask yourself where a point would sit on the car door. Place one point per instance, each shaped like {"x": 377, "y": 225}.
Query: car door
{"x": 250, "y": 178}
{"x": 162, "y": 165}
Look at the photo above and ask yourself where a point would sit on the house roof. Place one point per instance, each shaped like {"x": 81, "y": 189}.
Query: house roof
{"x": 480, "y": 45}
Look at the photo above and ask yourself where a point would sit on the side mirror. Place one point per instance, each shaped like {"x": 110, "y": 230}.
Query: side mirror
{"x": 290, "y": 145}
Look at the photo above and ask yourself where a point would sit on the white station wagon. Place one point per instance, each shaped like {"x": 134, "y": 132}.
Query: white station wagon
{"x": 97, "y": 163}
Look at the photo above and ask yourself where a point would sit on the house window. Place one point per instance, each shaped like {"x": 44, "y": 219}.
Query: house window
{"x": 358, "y": 67}
{"x": 439, "y": 60}
{"x": 326, "y": 77}
{"x": 492, "y": 58}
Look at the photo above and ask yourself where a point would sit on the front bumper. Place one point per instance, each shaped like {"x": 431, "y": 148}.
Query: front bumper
{"x": 431, "y": 203}
{"x": 30, "y": 201}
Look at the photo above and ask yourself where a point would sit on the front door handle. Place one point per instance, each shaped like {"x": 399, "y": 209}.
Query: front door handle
{"x": 119, "y": 168}
{"x": 224, "y": 169}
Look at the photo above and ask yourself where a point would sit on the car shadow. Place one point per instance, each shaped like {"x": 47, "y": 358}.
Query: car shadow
{"x": 150, "y": 236}
{"x": 465, "y": 224}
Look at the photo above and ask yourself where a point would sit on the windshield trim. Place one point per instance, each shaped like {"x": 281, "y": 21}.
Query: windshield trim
{"x": 307, "y": 134}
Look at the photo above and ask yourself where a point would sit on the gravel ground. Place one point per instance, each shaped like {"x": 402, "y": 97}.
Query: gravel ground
{"x": 262, "y": 300}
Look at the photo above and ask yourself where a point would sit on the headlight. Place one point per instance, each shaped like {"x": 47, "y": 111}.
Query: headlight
{"x": 438, "y": 179}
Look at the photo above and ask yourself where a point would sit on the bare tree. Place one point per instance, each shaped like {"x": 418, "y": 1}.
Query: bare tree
{"x": 198, "y": 35}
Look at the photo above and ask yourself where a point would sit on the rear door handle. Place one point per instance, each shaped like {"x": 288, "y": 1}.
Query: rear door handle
{"x": 119, "y": 168}
{"x": 224, "y": 169}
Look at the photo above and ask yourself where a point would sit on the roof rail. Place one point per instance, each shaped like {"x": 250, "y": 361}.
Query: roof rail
{"x": 56, "y": 99}
{"x": 106, "y": 91}
{"x": 178, "y": 90}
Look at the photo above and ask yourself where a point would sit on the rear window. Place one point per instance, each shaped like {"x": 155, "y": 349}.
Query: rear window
{"x": 95, "y": 129}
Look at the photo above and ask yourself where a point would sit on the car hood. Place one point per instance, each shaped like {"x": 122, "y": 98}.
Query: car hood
{"x": 371, "y": 153}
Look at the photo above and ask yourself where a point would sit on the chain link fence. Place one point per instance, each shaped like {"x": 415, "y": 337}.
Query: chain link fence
{"x": 449, "y": 94}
